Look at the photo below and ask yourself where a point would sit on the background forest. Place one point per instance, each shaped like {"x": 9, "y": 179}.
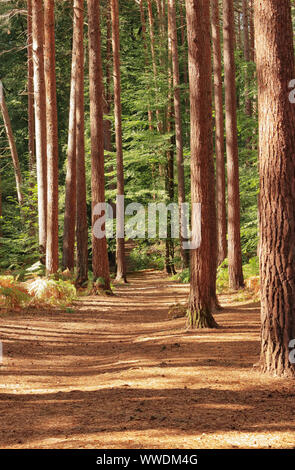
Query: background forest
{"x": 145, "y": 150}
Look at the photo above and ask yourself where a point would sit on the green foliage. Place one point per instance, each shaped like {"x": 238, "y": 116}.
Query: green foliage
{"x": 147, "y": 256}
{"x": 183, "y": 276}
{"x": 145, "y": 150}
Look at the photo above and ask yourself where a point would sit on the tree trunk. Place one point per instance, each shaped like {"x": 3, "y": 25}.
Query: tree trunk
{"x": 153, "y": 53}
{"x": 52, "y": 140}
{"x": 108, "y": 98}
{"x": 10, "y": 137}
{"x": 219, "y": 136}
{"x": 100, "y": 262}
{"x": 248, "y": 103}
{"x": 81, "y": 222}
{"x": 169, "y": 170}
{"x": 275, "y": 68}
{"x": 121, "y": 264}
{"x": 236, "y": 280}
{"x": 31, "y": 121}
{"x": 202, "y": 184}
{"x": 178, "y": 128}
{"x": 70, "y": 187}
{"x": 40, "y": 118}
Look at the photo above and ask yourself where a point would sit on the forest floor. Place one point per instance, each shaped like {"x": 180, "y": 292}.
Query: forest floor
{"x": 117, "y": 372}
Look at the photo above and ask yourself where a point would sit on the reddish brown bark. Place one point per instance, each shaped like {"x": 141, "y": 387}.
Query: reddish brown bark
{"x": 219, "y": 136}
{"x": 178, "y": 124}
{"x": 236, "y": 280}
{"x": 248, "y": 103}
{"x": 107, "y": 95}
{"x": 100, "y": 262}
{"x": 40, "y": 117}
{"x": 153, "y": 53}
{"x": 121, "y": 264}
{"x": 70, "y": 187}
{"x": 52, "y": 140}
{"x": 81, "y": 222}
{"x": 31, "y": 121}
{"x": 275, "y": 68}
{"x": 143, "y": 25}
{"x": 202, "y": 183}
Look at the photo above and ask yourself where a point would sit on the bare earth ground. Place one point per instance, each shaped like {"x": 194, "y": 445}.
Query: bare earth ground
{"x": 117, "y": 373}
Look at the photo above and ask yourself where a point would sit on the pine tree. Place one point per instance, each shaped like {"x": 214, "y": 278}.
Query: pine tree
{"x": 274, "y": 37}
{"x": 52, "y": 140}
{"x": 236, "y": 280}
{"x": 100, "y": 262}
{"x": 202, "y": 183}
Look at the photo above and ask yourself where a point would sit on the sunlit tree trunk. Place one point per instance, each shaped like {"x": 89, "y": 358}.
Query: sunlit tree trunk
{"x": 178, "y": 126}
{"x": 219, "y": 136}
{"x": 52, "y": 140}
{"x": 169, "y": 170}
{"x": 40, "y": 117}
{"x": 275, "y": 68}
{"x": 107, "y": 93}
{"x": 153, "y": 53}
{"x": 31, "y": 121}
{"x": 248, "y": 103}
{"x": 100, "y": 262}
{"x": 81, "y": 222}
{"x": 202, "y": 183}
{"x": 234, "y": 242}
{"x": 121, "y": 264}
{"x": 70, "y": 187}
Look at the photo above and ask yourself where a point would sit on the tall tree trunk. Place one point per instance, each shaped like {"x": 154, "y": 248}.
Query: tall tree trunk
{"x": 31, "y": 118}
{"x": 40, "y": 118}
{"x": 153, "y": 53}
{"x": 81, "y": 222}
{"x": 219, "y": 136}
{"x": 71, "y": 175}
{"x": 202, "y": 184}
{"x": 121, "y": 264}
{"x": 52, "y": 140}
{"x": 100, "y": 262}
{"x": 183, "y": 33}
{"x": 107, "y": 96}
{"x": 143, "y": 26}
{"x": 275, "y": 68}
{"x": 236, "y": 280}
{"x": 169, "y": 170}
{"x": 31, "y": 121}
{"x": 10, "y": 137}
{"x": 178, "y": 127}
{"x": 248, "y": 103}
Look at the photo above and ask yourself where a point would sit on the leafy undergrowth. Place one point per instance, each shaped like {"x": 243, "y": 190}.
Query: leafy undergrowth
{"x": 37, "y": 292}
{"x": 251, "y": 276}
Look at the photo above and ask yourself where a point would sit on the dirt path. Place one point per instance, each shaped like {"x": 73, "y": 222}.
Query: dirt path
{"x": 117, "y": 373}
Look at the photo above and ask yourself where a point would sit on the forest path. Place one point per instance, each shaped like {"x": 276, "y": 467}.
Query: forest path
{"x": 118, "y": 373}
